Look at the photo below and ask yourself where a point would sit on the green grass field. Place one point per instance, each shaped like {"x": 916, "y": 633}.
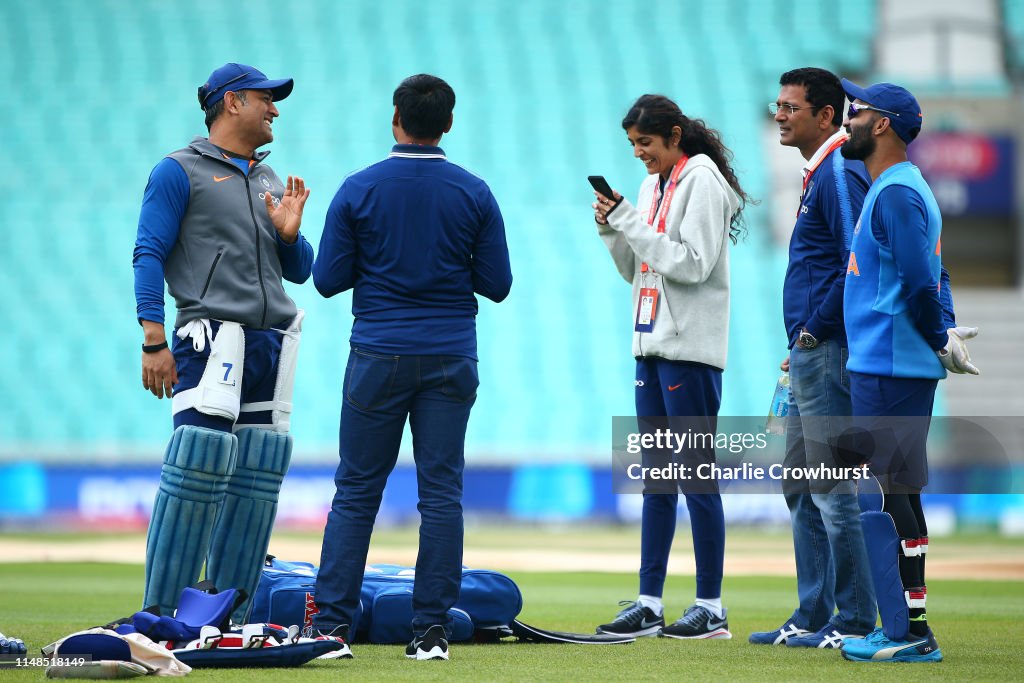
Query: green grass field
{"x": 977, "y": 624}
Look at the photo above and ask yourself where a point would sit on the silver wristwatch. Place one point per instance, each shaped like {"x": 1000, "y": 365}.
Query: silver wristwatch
{"x": 806, "y": 340}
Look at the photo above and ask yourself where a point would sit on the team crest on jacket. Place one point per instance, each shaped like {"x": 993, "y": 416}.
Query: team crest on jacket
{"x": 265, "y": 181}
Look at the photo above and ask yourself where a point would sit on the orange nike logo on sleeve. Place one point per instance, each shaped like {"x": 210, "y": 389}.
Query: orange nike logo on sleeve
{"x": 217, "y": 179}
{"x": 673, "y": 387}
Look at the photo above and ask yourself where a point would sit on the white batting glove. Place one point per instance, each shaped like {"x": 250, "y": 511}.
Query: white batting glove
{"x": 954, "y": 356}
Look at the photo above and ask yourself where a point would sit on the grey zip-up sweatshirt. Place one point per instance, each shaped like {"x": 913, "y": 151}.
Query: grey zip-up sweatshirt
{"x": 224, "y": 264}
{"x": 690, "y": 263}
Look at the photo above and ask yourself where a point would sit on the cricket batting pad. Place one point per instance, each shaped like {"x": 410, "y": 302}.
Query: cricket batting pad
{"x": 192, "y": 483}
{"x": 884, "y": 549}
{"x": 242, "y": 532}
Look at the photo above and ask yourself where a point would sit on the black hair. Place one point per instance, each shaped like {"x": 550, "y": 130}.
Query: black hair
{"x": 821, "y": 87}
{"x": 657, "y": 115}
{"x": 425, "y": 105}
{"x": 217, "y": 108}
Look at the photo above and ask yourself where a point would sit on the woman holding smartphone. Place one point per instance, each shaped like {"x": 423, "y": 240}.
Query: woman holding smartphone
{"x": 673, "y": 248}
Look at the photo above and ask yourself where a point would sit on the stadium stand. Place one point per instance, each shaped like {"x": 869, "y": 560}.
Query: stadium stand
{"x": 99, "y": 91}
{"x": 1013, "y": 20}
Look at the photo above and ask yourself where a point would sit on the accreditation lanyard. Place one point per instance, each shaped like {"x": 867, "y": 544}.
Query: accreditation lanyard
{"x": 810, "y": 172}
{"x": 666, "y": 202}
{"x": 647, "y": 305}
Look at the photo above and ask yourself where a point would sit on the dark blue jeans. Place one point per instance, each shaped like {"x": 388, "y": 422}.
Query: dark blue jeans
{"x": 436, "y": 394}
{"x": 831, "y": 560}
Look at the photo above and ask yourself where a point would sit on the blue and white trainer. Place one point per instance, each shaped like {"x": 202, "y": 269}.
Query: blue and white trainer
{"x": 635, "y": 620}
{"x": 828, "y": 637}
{"x": 779, "y": 636}
{"x": 877, "y": 647}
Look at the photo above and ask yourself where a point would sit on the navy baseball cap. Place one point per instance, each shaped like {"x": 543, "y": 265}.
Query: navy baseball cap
{"x": 237, "y": 77}
{"x": 906, "y": 119}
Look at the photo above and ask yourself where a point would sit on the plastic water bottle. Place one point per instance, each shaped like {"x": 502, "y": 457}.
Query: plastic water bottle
{"x": 776, "y": 422}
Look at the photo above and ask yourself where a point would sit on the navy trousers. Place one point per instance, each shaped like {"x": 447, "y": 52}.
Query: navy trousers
{"x": 667, "y": 388}
{"x": 435, "y": 394}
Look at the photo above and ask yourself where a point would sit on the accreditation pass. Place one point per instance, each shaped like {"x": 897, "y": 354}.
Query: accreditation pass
{"x": 647, "y": 309}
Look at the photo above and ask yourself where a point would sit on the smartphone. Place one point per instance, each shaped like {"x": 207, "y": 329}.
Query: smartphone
{"x": 601, "y": 185}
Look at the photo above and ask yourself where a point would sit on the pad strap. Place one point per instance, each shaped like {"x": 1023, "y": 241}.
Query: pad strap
{"x": 916, "y": 597}
{"x": 912, "y": 547}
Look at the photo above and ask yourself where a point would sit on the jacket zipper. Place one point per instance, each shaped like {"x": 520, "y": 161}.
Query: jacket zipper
{"x": 256, "y": 227}
{"x": 209, "y": 278}
{"x": 259, "y": 252}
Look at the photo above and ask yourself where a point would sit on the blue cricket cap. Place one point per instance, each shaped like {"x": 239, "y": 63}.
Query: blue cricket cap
{"x": 95, "y": 647}
{"x": 907, "y": 119}
{"x": 237, "y": 77}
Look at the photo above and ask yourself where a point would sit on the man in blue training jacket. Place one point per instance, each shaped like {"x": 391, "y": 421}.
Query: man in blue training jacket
{"x": 223, "y": 230}
{"x": 903, "y": 339}
{"x": 416, "y": 237}
{"x": 831, "y": 562}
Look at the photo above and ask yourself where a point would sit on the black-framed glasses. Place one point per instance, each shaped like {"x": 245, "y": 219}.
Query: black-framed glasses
{"x": 857, "y": 108}
{"x": 788, "y": 109}
{"x": 204, "y": 96}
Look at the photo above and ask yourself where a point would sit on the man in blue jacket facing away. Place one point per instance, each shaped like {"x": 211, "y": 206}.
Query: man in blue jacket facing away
{"x": 831, "y": 564}
{"x": 416, "y": 237}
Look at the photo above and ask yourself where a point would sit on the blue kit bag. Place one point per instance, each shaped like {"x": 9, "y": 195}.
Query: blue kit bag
{"x": 487, "y": 599}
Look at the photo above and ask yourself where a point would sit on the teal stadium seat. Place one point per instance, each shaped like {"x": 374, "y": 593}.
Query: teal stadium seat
{"x": 1013, "y": 18}
{"x": 106, "y": 88}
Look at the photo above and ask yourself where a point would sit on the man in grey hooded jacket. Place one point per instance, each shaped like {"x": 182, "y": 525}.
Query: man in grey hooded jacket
{"x": 223, "y": 230}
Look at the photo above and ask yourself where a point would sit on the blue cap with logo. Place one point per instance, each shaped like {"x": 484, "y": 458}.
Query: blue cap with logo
{"x": 906, "y": 116}
{"x": 235, "y": 77}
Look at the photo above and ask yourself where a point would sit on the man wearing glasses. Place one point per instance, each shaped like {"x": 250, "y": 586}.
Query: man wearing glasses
{"x": 834, "y": 592}
{"x": 223, "y": 230}
{"x": 903, "y": 338}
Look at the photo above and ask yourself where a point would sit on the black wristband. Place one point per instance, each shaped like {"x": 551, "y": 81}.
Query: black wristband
{"x": 615, "y": 205}
{"x": 153, "y": 348}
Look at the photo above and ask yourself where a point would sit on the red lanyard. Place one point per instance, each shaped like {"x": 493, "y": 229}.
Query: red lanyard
{"x": 666, "y": 202}
{"x": 810, "y": 172}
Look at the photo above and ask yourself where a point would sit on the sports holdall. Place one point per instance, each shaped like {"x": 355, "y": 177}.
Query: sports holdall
{"x": 487, "y": 600}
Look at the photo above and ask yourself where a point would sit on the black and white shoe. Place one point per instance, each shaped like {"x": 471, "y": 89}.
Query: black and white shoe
{"x": 431, "y": 645}
{"x": 339, "y": 635}
{"x": 698, "y": 623}
{"x": 635, "y": 620}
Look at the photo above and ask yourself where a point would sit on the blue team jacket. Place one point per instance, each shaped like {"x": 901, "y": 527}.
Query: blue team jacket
{"x": 812, "y": 295}
{"x": 416, "y": 237}
{"x": 894, "y": 311}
